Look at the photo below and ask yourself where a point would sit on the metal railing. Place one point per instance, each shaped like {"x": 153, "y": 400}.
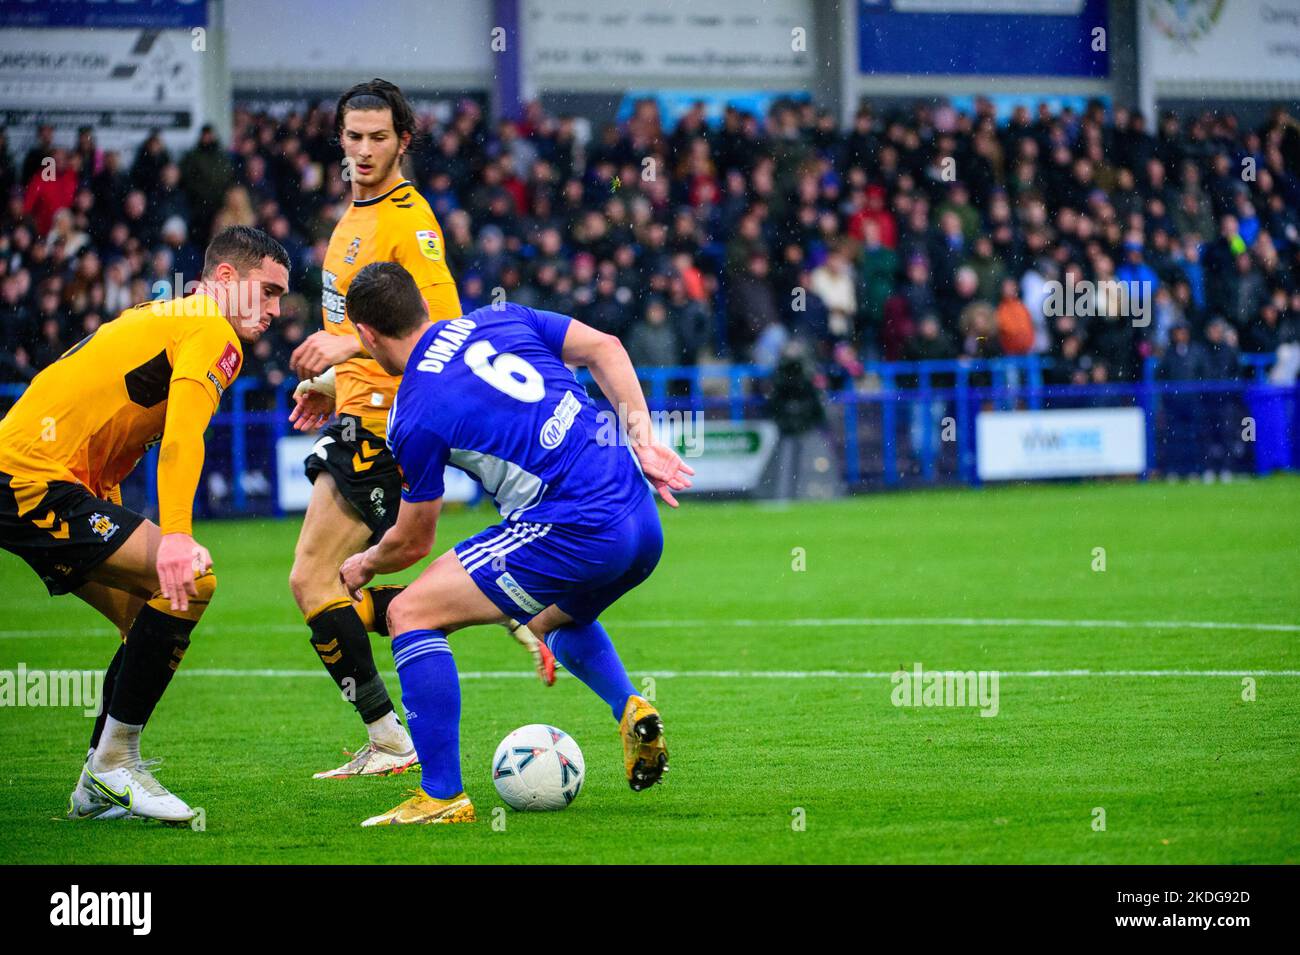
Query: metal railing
{"x": 868, "y": 417}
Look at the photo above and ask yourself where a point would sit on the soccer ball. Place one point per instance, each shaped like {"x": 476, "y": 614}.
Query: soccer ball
{"x": 538, "y": 768}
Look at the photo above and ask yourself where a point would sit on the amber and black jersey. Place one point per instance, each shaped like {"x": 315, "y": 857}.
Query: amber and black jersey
{"x": 397, "y": 226}
{"x": 92, "y": 414}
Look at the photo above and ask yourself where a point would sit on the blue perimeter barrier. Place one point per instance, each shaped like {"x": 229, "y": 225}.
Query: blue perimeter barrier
{"x": 870, "y": 426}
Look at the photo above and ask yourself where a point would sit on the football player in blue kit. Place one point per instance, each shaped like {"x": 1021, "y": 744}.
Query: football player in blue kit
{"x": 490, "y": 393}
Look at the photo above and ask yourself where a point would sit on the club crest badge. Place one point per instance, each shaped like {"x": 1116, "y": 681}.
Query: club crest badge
{"x": 102, "y": 525}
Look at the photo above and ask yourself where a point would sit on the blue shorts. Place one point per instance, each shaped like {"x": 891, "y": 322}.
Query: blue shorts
{"x": 523, "y": 568}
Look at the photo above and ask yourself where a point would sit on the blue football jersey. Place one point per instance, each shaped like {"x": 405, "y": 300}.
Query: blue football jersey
{"x": 489, "y": 394}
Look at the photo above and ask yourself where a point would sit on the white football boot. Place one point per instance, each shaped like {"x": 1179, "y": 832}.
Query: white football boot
{"x": 135, "y": 789}
{"x": 370, "y": 760}
{"x": 86, "y": 802}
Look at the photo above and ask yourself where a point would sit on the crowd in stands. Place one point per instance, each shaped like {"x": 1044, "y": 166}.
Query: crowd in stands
{"x": 912, "y": 234}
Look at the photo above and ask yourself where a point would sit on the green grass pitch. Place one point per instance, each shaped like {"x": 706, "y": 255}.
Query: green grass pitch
{"x": 774, "y": 684}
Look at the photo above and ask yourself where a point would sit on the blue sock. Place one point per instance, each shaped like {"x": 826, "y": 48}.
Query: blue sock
{"x": 588, "y": 654}
{"x": 431, "y": 697}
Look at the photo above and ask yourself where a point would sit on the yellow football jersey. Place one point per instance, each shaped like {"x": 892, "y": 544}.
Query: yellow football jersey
{"x": 397, "y": 226}
{"x": 91, "y": 415}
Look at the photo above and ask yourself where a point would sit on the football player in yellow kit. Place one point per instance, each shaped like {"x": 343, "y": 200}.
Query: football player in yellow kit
{"x": 153, "y": 375}
{"x": 356, "y": 484}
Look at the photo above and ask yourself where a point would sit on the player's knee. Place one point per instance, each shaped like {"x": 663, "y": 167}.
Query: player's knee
{"x": 405, "y": 614}
{"x": 303, "y": 583}
{"x": 396, "y": 617}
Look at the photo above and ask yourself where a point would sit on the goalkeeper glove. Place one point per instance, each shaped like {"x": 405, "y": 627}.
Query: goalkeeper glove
{"x": 323, "y": 383}
{"x": 543, "y": 659}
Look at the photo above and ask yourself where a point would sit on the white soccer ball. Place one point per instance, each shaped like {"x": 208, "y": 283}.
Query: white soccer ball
{"x": 538, "y": 768}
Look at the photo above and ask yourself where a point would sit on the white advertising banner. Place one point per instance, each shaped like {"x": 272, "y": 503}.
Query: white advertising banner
{"x": 121, "y": 82}
{"x": 1012, "y": 445}
{"x": 1242, "y": 41}
{"x": 294, "y": 490}
{"x": 726, "y": 455}
{"x": 395, "y": 36}
{"x": 768, "y": 42}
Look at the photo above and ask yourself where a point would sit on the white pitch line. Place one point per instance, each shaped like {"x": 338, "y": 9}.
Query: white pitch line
{"x": 762, "y": 674}
{"x": 964, "y": 622}
{"x": 799, "y": 622}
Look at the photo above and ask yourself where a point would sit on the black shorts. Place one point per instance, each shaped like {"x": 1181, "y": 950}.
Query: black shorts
{"x": 67, "y": 535}
{"x": 363, "y": 469}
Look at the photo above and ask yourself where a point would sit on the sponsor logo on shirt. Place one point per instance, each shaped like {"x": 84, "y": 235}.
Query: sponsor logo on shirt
{"x": 221, "y": 389}
{"x": 560, "y": 421}
{"x": 430, "y": 244}
{"x": 518, "y": 594}
{"x": 332, "y": 301}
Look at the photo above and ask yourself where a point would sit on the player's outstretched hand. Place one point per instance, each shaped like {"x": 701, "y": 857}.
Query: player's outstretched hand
{"x": 664, "y": 469}
{"x": 321, "y": 350}
{"x": 311, "y": 410}
{"x": 179, "y": 559}
{"x": 354, "y": 575}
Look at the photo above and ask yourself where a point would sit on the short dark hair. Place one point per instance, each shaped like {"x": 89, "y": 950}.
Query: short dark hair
{"x": 383, "y": 296}
{"x": 376, "y": 94}
{"x": 243, "y": 247}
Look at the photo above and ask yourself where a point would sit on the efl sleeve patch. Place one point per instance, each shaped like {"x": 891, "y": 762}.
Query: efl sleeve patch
{"x": 430, "y": 244}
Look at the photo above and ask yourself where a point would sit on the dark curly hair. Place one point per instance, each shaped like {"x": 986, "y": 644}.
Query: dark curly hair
{"x": 376, "y": 94}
